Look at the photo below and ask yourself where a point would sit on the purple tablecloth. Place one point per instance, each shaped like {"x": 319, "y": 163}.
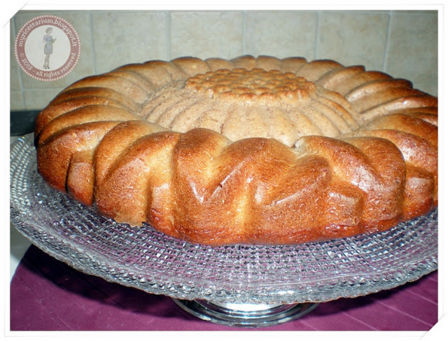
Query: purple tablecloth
{"x": 49, "y": 295}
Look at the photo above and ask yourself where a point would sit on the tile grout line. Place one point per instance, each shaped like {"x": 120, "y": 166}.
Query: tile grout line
{"x": 371, "y": 327}
{"x": 404, "y": 313}
{"x": 168, "y": 34}
{"x": 316, "y": 37}
{"x": 307, "y": 324}
{"x": 433, "y": 279}
{"x": 387, "y": 43}
{"x": 92, "y": 44}
{"x": 243, "y": 29}
{"x": 423, "y": 297}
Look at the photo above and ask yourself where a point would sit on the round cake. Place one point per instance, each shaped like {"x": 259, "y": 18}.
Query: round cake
{"x": 250, "y": 150}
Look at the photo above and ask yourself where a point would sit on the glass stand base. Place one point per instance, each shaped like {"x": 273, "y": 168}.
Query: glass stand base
{"x": 246, "y": 315}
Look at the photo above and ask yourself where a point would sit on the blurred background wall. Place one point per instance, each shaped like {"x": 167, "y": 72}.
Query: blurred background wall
{"x": 401, "y": 43}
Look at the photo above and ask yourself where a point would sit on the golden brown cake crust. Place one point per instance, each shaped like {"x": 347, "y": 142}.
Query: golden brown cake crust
{"x": 248, "y": 150}
{"x": 256, "y": 84}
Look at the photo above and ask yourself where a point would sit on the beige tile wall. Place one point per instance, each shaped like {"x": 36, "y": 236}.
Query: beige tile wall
{"x": 401, "y": 43}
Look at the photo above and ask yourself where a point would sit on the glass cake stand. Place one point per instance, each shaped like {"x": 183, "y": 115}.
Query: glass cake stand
{"x": 247, "y": 285}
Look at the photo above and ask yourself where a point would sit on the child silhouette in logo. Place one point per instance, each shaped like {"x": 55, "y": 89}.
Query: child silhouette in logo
{"x": 48, "y": 48}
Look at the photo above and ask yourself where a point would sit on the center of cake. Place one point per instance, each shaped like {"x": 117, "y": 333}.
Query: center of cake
{"x": 241, "y": 103}
{"x": 255, "y": 84}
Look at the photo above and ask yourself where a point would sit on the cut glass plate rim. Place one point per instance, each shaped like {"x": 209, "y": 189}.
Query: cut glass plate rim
{"x": 148, "y": 260}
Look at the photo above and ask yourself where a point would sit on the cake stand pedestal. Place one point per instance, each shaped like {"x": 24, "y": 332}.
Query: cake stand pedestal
{"x": 245, "y": 315}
